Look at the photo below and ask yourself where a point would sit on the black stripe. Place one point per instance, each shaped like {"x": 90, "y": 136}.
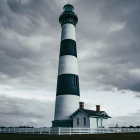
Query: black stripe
{"x": 68, "y": 47}
{"x": 68, "y": 84}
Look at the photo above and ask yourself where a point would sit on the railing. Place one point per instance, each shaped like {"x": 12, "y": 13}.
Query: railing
{"x": 67, "y": 131}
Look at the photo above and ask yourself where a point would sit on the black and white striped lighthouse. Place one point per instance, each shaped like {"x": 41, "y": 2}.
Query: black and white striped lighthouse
{"x": 67, "y": 93}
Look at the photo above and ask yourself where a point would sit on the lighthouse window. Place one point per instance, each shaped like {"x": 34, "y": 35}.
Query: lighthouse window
{"x": 75, "y": 80}
{"x": 70, "y": 20}
{"x": 77, "y": 121}
{"x": 84, "y": 121}
{"x": 74, "y": 47}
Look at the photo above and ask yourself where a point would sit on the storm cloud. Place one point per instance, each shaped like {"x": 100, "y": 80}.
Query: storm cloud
{"x": 107, "y": 42}
{"x": 110, "y": 42}
{"x": 25, "y": 112}
{"x": 107, "y": 37}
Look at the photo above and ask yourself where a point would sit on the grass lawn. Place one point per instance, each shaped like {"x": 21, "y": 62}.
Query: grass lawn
{"x": 124, "y": 136}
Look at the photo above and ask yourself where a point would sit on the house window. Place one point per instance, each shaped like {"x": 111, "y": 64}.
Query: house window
{"x": 84, "y": 121}
{"x": 77, "y": 121}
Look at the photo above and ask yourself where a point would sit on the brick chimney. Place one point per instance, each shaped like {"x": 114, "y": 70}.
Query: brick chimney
{"x": 81, "y": 105}
{"x": 98, "y": 108}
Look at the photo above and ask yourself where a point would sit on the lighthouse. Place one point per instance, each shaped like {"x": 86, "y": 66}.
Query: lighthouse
{"x": 67, "y": 92}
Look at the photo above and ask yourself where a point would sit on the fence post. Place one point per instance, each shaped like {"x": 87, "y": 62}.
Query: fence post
{"x": 58, "y": 130}
{"x": 49, "y": 131}
{"x": 70, "y": 130}
{"x": 40, "y": 131}
{"x": 114, "y": 130}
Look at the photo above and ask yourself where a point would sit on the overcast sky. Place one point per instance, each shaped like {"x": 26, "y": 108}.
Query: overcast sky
{"x": 108, "y": 43}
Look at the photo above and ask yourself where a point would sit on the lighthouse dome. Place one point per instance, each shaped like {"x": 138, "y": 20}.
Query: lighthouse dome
{"x": 68, "y": 7}
{"x": 68, "y": 15}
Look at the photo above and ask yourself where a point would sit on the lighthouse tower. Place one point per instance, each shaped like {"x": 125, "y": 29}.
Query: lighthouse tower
{"x": 67, "y": 93}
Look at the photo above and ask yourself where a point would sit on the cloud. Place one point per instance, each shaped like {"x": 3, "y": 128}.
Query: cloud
{"x": 22, "y": 111}
{"x": 132, "y": 120}
{"x": 26, "y": 49}
{"x": 107, "y": 41}
{"x": 136, "y": 113}
{"x": 106, "y": 37}
{"x": 108, "y": 44}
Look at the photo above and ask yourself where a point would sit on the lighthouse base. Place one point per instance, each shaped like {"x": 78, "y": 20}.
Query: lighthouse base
{"x": 62, "y": 123}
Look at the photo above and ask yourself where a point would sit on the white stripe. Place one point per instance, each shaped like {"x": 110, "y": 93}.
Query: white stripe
{"x": 68, "y": 64}
{"x": 68, "y": 32}
{"x": 65, "y": 105}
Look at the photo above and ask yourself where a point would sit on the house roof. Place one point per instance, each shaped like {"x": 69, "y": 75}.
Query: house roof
{"x": 92, "y": 113}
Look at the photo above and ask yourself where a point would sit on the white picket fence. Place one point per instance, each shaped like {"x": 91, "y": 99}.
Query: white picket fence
{"x": 67, "y": 131}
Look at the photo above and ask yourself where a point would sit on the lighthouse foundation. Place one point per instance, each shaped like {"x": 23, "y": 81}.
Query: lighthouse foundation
{"x": 62, "y": 123}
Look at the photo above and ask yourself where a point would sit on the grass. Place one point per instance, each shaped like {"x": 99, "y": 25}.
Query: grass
{"x": 123, "y": 136}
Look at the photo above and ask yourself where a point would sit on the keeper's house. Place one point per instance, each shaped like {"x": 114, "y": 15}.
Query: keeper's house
{"x": 85, "y": 118}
